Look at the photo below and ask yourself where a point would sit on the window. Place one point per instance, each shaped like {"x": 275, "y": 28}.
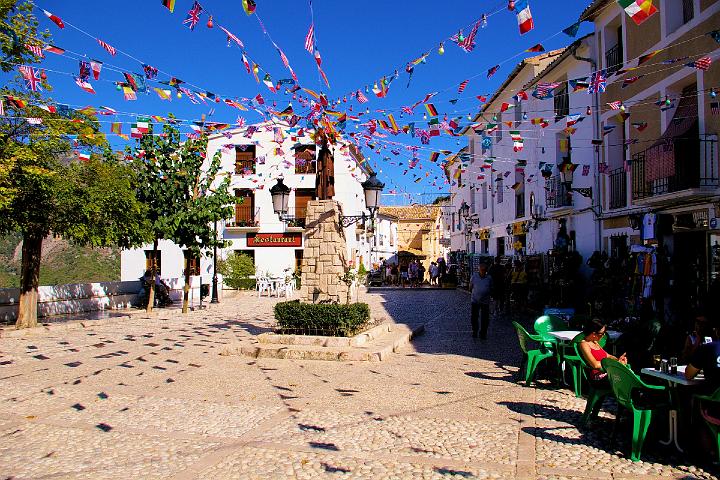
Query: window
{"x": 298, "y": 260}
{"x": 561, "y": 101}
{"x": 305, "y": 161}
{"x": 192, "y": 262}
{"x": 302, "y": 197}
{"x": 518, "y": 110}
{"x": 500, "y": 246}
{"x": 453, "y": 221}
{"x": 472, "y": 199}
{"x": 519, "y": 187}
{"x": 614, "y": 57}
{"x": 484, "y": 196}
{"x": 244, "y": 159}
{"x": 485, "y": 246}
{"x": 564, "y": 148}
{"x": 500, "y": 190}
{"x": 244, "y": 207}
{"x": 499, "y": 131}
{"x": 678, "y": 13}
{"x": 158, "y": 261}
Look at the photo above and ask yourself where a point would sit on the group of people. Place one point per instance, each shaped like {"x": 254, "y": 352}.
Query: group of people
{"x": 494, "y": 283}
{"x": 413, "y": 273}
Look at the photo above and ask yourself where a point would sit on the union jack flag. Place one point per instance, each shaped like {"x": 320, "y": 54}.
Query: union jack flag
{"x": 37, "y": 51}
{"x": 193, "y": 16}
{"x": 111, "y": 50}
{"x": 598, "y": 82}
{"x": 361, "y": 97}
{"x": 32, "y": 78}
{"x": 310, "y": 38}
{"x": 408, "y": 110}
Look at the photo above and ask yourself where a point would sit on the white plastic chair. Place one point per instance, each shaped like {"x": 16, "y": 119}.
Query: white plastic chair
{"x": 264, "y": 284}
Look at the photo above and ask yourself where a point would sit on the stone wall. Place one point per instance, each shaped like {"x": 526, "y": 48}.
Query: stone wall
{"x": 325, "y": 253}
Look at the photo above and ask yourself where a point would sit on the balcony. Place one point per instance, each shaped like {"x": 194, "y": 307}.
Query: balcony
{"x": 246, "y": 218}
{"x": 557, "y": 194}
{"x": 296, "y": 218}
{"x": 618, "y": 188}
{"x": 305, "y": 167}
{"x": 519, "y": 205}
{"x": 680, "y": 164}
{"x": 613, "y": 59}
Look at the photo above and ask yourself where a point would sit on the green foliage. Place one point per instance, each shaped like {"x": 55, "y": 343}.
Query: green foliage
{"x": 183, "y": 190}
{"x": 18, "y": 27}
{"x": 362, "y": 271}
{"x": 236, "y": 270}
{"x": 321, "y": 319}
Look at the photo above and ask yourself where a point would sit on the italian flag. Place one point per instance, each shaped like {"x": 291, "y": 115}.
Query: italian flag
{"x": 517, "y": 140}
{"x": 639, "y": 10}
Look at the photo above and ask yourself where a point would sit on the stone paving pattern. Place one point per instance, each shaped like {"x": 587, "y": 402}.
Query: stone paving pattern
{"x": 151, "y": 397}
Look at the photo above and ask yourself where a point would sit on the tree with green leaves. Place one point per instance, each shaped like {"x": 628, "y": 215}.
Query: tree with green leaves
{"x": 184, "y": 193}
{"x": 205, "y": 200}
{"x": 89, "y": 203}
{"x": 18, "y": 28}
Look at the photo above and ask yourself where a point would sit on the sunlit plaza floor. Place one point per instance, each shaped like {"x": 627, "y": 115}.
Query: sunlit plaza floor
{"x": 151, "y": 397}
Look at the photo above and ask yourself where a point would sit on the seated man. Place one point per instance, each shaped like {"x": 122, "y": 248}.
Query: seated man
{"x": 706, "y": 358}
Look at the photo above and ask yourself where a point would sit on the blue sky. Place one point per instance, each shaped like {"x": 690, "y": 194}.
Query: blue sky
{"x": 359, "y": 41}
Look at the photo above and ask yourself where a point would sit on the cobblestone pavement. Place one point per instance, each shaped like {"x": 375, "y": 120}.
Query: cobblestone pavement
{"x": 151, "y": 397}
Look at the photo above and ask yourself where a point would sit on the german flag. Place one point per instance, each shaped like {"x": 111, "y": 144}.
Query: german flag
{"x": 432, "y": 111}
{"x": 169, "y": 4}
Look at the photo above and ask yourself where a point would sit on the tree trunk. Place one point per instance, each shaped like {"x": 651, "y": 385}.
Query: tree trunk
{"x": 153, "y": 270}
{"x": 29, "y": 280}
{"x": 186, "y": 288}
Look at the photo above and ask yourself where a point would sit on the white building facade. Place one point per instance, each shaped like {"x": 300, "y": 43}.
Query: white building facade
{"x": 255, "y": 157}
{"x": 510, "y": 174}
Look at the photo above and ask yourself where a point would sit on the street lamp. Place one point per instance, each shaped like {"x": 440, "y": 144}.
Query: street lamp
{"x": 509, "y": 229}
{"x": 372, "y": 188}
{"x": 214, "y": 297}
{"x": 280, "y": 194}
{"x": 464, "y": 210}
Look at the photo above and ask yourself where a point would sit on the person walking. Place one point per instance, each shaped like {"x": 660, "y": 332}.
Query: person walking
{"x": 481, "y": 286}
{"x": 433, "y": 273}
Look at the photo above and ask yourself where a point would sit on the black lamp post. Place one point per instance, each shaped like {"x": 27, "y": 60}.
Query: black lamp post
{"x": 509, "y": 229}
{"x": 464, "y": 210}
{"x": 214, "y": 297}
{"x": 372, "y": 188}
{"x": 280, "y": 194}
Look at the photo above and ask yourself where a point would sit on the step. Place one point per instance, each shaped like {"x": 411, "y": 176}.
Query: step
{"x": 378, "y": 349}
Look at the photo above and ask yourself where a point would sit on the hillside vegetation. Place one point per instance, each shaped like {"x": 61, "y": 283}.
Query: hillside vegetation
{"x": 61, "y": 263}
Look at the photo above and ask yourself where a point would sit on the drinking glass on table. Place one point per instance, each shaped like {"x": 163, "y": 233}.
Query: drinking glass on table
{"x": 657, "y": 359}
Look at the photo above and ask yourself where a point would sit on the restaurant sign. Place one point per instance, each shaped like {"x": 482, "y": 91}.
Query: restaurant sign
{"x": 290, "y": 239}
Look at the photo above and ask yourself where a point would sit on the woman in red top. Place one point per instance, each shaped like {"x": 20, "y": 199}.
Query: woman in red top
{"x": 593, "y": 353}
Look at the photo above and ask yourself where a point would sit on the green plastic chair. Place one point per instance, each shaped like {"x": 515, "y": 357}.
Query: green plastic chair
{"x": 712, "y": 422}
{"x": 574, "y": 360}
{"x": 549, "y": 323}
{"x": 623, "y": 382}
{"x": 532, "y": 356}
